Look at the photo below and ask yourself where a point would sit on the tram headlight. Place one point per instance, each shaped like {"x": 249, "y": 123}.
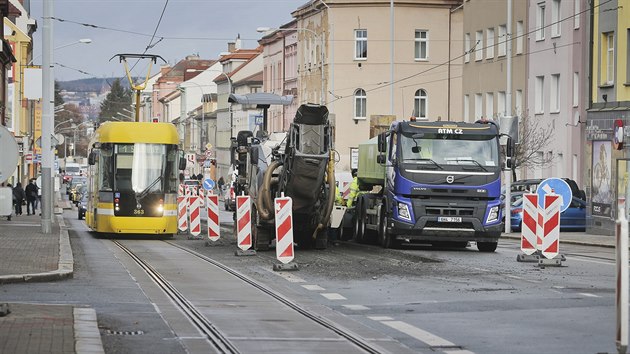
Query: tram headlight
{"x": 160, "y": 208}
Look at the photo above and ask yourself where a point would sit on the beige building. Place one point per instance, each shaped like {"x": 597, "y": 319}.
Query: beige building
{"x": 485, "y": 67}
{"x": 370, "y": 71}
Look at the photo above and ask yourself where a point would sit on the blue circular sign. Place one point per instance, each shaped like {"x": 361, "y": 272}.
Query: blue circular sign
{"x": 208, "y": 184}
{"x": 558, "y": 186}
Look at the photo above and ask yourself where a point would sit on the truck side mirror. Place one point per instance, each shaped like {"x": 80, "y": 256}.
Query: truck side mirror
{"x": 382, "y": 142}
{"x": 92, "y": 158}
{"x": 182, "y": 160}
{"x": 380, "y": 159}
{"x": 509, "y": 148}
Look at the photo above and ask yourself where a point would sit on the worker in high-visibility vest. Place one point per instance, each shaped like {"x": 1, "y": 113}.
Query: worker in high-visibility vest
{"x": 354, "y": 189}
{"x": 338, "y": 197}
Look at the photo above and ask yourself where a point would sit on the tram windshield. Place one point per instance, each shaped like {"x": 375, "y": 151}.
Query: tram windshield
{"x": 141, "y": 168}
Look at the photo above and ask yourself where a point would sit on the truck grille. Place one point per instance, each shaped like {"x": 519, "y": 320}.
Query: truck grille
{"x": 449, "y": 211}
{"x": 449, "y": 225}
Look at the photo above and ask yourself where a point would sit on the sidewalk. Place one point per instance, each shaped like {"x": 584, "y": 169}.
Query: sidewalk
{"x": 28, "y": 255}
{"x": 575, "y": 238}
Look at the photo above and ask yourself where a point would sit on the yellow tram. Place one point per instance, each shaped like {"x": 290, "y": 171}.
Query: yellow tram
{"x": 133, "y": 178}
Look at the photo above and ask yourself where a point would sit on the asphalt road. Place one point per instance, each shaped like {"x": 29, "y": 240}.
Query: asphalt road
{"x": 416, "y": 299}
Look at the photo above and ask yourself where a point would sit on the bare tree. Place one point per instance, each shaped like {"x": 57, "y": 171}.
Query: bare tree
{"x": 533, "y": 138}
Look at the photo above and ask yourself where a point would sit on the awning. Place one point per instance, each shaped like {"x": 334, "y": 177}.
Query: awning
{"x": 261, "y": 99}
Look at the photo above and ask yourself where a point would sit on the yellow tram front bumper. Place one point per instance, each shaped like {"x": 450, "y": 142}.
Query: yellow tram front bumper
{"x": 136, "y": 224}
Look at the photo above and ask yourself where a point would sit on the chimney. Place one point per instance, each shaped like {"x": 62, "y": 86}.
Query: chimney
{"x": 164, "y": 69}
{"x": 231, "y": 47}
{"x": 238, "y": 41}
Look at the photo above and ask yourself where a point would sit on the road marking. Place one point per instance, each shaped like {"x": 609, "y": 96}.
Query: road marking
{"x": 313, "y": 287}
{"x": 419, "y": 334}
{"x": 380, "y": 318}
{"x": 589, "y": 295}
{"x": 523, "y": 279}
{"x": 459, "y": 351}
{"x": 333, "y": 296}
{"x": 12, "y": 224}
{"x": 356, "y": 307}
{"x": 558, "y": 287}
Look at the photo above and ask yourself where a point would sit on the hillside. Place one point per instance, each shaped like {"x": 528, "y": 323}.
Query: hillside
{"x": 91, "y": 84}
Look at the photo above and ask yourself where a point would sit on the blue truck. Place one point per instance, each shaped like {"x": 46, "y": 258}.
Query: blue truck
{"x": 430, "y": 182}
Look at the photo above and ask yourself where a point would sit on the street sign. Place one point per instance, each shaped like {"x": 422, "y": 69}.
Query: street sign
{"x": 558, "y": 186}
{"x": 208, "y": 184}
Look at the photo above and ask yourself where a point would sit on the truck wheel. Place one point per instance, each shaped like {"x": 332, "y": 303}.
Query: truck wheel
{"x": 385, "y": 238}
{"x": 358, "y": 222}
{"x": 487, "y": 246}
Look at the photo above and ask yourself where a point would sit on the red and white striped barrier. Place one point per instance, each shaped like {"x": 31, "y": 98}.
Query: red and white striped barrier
{"x": 213, "y": 217}
{"x": 284, "y": 229}
{"x": 551, "y": 228}
{"x": 344, "y": 189}
{"x": 529, "y": 223}
{"x": 195, "y": 216}
{"x": 182, "y": 213}
{"x": 243, "y": 222}
{"x": 187, "y": 190}
{"x": 181, "y": 190}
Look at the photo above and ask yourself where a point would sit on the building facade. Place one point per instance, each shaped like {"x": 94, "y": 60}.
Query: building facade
{"x": 381, "y": 61}
{"x": 557, "y": 72}
{"x": 608, "y": 118}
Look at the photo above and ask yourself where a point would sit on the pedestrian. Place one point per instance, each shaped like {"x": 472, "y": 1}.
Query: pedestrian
{"x": 9, "y": 185}
{"x": 19, "y": 195}
{"x": 31, "y": 197}
{"x": 220, "y": 183}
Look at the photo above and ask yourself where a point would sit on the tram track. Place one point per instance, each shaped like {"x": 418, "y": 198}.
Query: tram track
{"x": 220, "y": 341}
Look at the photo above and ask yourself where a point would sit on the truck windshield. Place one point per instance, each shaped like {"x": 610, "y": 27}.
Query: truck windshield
{"x": 480, "y": 151}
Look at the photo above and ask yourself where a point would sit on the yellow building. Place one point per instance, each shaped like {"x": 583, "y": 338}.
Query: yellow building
{"x": 608, "y": 119}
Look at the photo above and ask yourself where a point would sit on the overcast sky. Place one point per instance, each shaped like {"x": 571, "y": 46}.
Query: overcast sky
{"x": 189, "y": 27}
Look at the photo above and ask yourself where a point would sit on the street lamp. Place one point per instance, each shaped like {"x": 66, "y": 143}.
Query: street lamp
{"x": 80, "y": 41}
{"x": 321, "y": 51}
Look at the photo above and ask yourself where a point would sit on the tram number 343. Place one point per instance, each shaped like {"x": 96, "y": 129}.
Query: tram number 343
{"x": 138, "y": 211}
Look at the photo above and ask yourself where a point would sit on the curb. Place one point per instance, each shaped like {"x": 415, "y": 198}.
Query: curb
{"x": 65, "y": 267}
{"x": 87, "y": 337}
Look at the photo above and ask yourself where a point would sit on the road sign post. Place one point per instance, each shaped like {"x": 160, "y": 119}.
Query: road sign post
{"x": 621, "y": 293}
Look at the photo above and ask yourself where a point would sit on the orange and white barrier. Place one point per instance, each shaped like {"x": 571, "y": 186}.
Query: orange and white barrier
{"x": 195, "y": 216}
{"x": 551, "y": 226}
{"x": 243, "y": 222}
{"x": 284, "y": 229}
{"x": 213, "y": 217}
{"x": 344, "y": 189}
{"x": 182, "y": 213}
{"x": 202, "y": 196}
{"x": 529, "y": 223}
{"x": 181, "y": 190}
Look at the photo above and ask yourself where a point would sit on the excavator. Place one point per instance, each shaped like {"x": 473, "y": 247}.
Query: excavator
{"x": 298, "y": 164}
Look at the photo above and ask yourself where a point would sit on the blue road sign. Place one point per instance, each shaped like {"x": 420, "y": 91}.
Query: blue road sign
{"x": 208, "y": 184}
{"x": 558, "y": 186}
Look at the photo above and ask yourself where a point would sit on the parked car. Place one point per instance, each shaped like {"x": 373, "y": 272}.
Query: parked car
{"x": 572, "y": 219}
{"x": 229, "y": 198}
{"x": 74, "y": 183}
{"x": 82, "y": 206}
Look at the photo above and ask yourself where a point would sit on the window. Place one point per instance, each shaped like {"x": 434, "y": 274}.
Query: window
{"x": 478, "y": 106}
{"x": 555, "y": 93}
{"x": 360, "y": 44}
{"x": 466, "y": 108}
{"x": 490, "y": 43}
{"x": 538, "y": 157}
{"x": 540, "y": 22}
{"x": 420, "y": 104}
{"x": 360, "y": 103}
{"x": 555, "y": 18}
{"x": 501, "y": 104}
{"x": 519, "y": 37}
{"x": 502, "y": 40}
{"x": 539, "y": 96}
{"x": 422, "y": 45}
{"x": 489, "y": 105}
{"x": 518, "y": 103}
{"x": 608, "y": 58}
{"x": 467, "y": 47}
{"x": 478, "y": 45}
{"x": 628, "y": 58}
{"x": 576, "y": 89}
{"x": 576, "y": 14}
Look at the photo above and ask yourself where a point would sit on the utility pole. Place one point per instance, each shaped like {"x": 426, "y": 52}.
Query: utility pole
{"x": 182, "y": 114}
{"x": 508, "y": 113}
{"x": 47, "y": 118}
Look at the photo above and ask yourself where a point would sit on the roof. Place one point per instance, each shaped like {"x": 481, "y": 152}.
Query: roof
{"x": 252, "y": 56}
{"x": 255, "y": 78}
{"x": 182, "y": 70}
{"x": 137, "y": 132}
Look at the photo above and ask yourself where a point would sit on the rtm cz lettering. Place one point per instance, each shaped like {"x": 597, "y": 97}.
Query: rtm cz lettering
{"x": 450, "y": 131}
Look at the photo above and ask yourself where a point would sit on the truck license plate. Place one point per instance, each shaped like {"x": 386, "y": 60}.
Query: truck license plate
{"x": 449, "y": 219}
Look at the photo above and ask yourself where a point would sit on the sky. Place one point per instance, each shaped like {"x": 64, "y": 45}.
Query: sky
{"x": 126, "y": 26}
